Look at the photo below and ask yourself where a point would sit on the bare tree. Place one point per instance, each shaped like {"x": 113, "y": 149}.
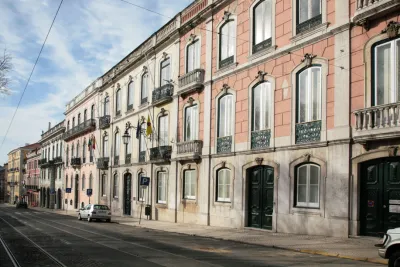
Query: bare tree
{"x": 5, "y": 68}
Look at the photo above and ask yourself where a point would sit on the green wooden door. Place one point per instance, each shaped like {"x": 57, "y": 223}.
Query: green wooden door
{"x": 260, "y": 197}
{"x": 127, "y": 193}
{"x": 380, "y": 196}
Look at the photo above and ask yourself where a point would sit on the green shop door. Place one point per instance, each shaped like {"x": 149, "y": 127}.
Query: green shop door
{"x": 260, "y": 197}
{"x": 379, "y": 196}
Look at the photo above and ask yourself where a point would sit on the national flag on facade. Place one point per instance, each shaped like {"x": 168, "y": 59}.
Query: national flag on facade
{"x": 149, "y": 130}
{"x": 90, "y": 144}
{"x": 138, "y": 130}
{"x": 93, "y": 142}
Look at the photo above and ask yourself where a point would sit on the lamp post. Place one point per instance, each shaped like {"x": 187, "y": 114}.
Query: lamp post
{"x": 126, "y": 136}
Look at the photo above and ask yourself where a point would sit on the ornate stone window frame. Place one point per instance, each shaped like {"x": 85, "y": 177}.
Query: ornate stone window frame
{"x": 258, "y": 161}
{"x": 225, "y": 91}
{"x": 214, "y": 186}
{"x": 312, "y": 31}
{"x": 161, "y": 169}
{"x": 196, "y": 38}
{"x": 308, "y": 159}
{"x": 324, "y": 73}
{"x": 191, "y": 103}
{"x": 262, "y": 77}
{"x": 368, "y": 61}
{"x": 231, "y": 17}
{"x": 273, "y": 31}
{"x": 160, "y": 61}
{"x": 181, "y": 185}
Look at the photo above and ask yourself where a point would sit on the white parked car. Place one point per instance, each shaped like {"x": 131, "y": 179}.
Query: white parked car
{"x": 390, "y": 247}
{"x": 95, "y": 212}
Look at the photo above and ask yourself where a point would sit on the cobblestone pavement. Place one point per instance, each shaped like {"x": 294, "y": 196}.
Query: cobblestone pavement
{"x": 38, "y": 238}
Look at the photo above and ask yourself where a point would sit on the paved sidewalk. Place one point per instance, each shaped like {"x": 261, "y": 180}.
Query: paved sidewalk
{"x": 357, "y": 248}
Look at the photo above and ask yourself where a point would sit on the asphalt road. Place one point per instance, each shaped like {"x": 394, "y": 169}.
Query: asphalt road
{"x": 34, "y": 238}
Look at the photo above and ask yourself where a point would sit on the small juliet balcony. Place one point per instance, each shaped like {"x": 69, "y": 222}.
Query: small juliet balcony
{"x": 58, "y": 160}
{"x": 102, "y": 163}
{"x": 104, "y": 122}
{"x": 191, "y": 81}
{"x": 189, "y": 150}
{"x": 308, "y": 132}
{"x": 43, "y": 163}
{"x": 163, "y": 94}
{"x": 371, "y": 9}
{"x": 260, "y": 139}
{"x": 378, "y": 122}
{"x": 160, "y": 154}
{"x": 224, "y": 144}
{"x": 76, "y": 162}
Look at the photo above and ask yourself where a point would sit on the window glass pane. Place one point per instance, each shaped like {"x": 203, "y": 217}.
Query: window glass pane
{"x": 197, "y": 50}
{"x": 190, "y": 57}
{"x": 117, "y": 144}
{"x": 231, "y": 39}
{"x": 144, "y": 88}
{"x": 267, "y": 19}
{"x": 222, "y": 117}
{"x": 303, "y": 77}
{"x": 118, "y": 100}
{"x": 302, "y": 176}
{"x": 191, "y": 123}
{"x": 258, "y": 19}
{"x": 165, "y": 72}
{"x": 143, "y": 138}
{"x": 316, "y": 8}
{"x": 257, "y": 107}
{"x": 302, "y": 193}
{"x": 130, "y": 93}
{"x": 314, "y": 194}
{"x": 316, "y": 93}
{"x": 314, "y": 175}
{"x": 163, "y": 131}
{"x": 383, "y": 74}
{"x": 303, "y": 10}
{"x": 224, "y": 41}
{"x": 129, "y": 146}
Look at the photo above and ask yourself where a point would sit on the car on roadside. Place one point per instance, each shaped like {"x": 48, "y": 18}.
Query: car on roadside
{"x": 95, "y": 212}
{"x": 21, "y": 204}
{"x": 389, "y": 248}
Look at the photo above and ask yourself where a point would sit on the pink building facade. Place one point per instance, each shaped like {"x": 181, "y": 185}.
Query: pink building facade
{"x": 32, "y": 176}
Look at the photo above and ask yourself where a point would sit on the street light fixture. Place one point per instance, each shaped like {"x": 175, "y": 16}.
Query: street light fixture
{"x": 126, "y": 135}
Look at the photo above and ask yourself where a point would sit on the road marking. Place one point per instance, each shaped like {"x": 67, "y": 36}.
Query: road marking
{"x": 65, "y": 242}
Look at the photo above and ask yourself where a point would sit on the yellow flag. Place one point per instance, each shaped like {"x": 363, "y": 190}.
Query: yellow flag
{"x": 149, "y": 130}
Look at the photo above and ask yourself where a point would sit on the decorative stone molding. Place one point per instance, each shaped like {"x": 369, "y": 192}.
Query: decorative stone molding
{"x": 130, "y": 78}
{"x": 226, "y": 16}
{"x": 192, "y": 38}
{"x": 162, "y": 111}
{"x": 308, "y": 58}
{"x": 392, "y": 29}
{"x": 190, "y": 101}
{"x": 105, "y": 133}
{"x": 259, "y": 160}
{"x": 261, "y": 76}
{"x": 393, "y": 151}
{"x": 164, "y": 55}
{"x": 223, "y": 164}
{"x": 144, "y": 68}
{"x": 188, "y": 166}
{"x": 306, "y": 157}
{"x": 225, "y": 88}
{"x": 118, "y": 86}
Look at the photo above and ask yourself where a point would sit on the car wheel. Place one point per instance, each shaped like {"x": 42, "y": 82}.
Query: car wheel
{"x": 79, "y": 217}
{"x": 89, "y": 219}
{"x": 394, "y": 259}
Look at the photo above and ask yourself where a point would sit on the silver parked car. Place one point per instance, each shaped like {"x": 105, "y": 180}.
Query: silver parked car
{"x": 95, "y": 212}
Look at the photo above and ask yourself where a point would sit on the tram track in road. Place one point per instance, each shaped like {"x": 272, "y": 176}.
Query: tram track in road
{"x": 12, "y": 259}
{"x": 146, "y": 251}
{"x": 20, "y": 251}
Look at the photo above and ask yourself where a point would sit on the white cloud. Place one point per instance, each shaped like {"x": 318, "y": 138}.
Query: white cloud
{"x": 87, "y": 39}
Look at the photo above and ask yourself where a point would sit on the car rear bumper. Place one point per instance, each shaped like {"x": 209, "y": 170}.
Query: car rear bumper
{"x": 102, "y": 217}
{"x": 382, "y": 252}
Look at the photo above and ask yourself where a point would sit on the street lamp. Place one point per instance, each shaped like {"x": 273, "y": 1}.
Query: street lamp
{"x": 126, "y": 135}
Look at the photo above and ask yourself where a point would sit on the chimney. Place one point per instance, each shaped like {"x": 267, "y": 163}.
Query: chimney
{"x": 49, "y": 125}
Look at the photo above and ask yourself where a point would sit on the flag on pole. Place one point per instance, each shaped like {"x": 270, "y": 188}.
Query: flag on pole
{"x": 149, "y": 130}
{"x": 93, "y": 142}
{"x": 138, "y": 130}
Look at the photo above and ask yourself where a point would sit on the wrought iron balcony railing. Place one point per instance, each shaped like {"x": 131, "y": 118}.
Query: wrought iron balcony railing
{"x": 191, "y": 81}
{"x": 104, "y": 122}
{"x": 102, "y": 163}
{"x": 82, "y": 128}
{"x": 308, "y": 132}
{"x": 56, "y": 129}
{"x": 163, "y": 94}
{"x": 42, "y": 163}
{"x": 58, "y": 160}
{"x": 260, "y": 139}
{"x": 378, "y": 122}
{"x": 309, "y": 24}
{"x": 192, "y": 149}
{"x": 76, "y": 162}
{"x": 161, "y": 153}
{"x": 224, "y": 144}
{"x": 128, "y": 158}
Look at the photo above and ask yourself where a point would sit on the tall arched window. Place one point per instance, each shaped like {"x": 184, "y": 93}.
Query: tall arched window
{"x": 91, "y": 154}
{"x": 191, "y": 123}
{"x": 73, "y": 122}
{"x": 223, "y": 185}
{"x": 83, "y": 182}
{"x": 307, "y": 185}
{"x": 131, "y": 88}
{"x": 52, "y": 152}
{"x": 193, "y": 56}
{"x": 92, "y": 112}
{"x": 85, "y": 115}
{"x": 142, "y": 145}
{"x": 128, "y": 148}
{"x": 117, "y": 148}
{"x": 261, "y": 115}
{"x": 144, "y": 88}
{"x": 72, "y": 151}
{"x": 262, "y": 29}
{"x": 79, "y": 119}
{"x": 103, "y": 184}
{"x": 57, "y": 150}
{"x": 309, "y": 15}
{"x": 61, "y": 149}
{"x": 67, "y": 125}
{"x": 309, "y": 94}
{"x": 115, "y": 186}
{"x": 90, "y": 181}
{"x": 163, "y": 131}
{"x": 386, "y": 72}
{"x": 106, "y": 106}
{"x": 162, "y": 187}
{"x": 84, "y": 152}
{"x": 77, "y": 150}
{"x": 225, "y": 123}
{"x": 189, "y": 184}
{"x": 105, "y": 147}
{"x": 227, "y": 43}
{"x": 165, "y": 71}
{"x": 118, "y": 102}
{"x": 67, "y": 156}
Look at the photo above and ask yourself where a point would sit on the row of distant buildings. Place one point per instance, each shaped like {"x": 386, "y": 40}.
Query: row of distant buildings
{"x": 274, "y": 114}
